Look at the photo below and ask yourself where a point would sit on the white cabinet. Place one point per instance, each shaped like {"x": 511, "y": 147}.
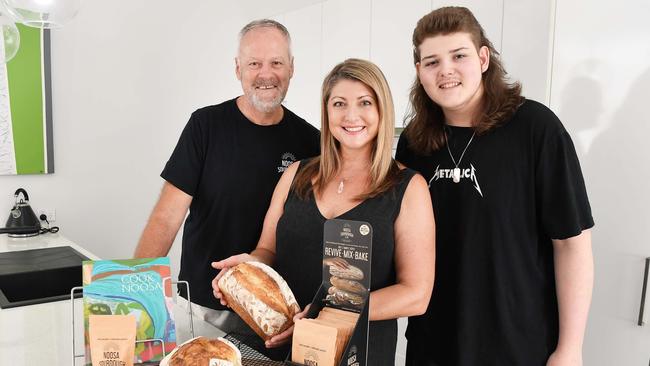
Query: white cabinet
{"x": 346, "y": 31}
{"x": 391, "y": 47}
{"x": 526, "y": 45}
{"x": 305, "y": 27}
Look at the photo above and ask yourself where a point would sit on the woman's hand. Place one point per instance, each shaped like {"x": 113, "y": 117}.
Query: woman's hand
{"x": 223, "y": 265}
{"x": 285, "y": 336}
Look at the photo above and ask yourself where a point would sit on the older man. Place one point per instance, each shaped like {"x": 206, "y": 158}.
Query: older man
{"x": 226, "y": 165}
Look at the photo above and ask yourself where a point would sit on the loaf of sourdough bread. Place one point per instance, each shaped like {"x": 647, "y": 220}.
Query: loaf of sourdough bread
{"x": 203, "y": 351}
{"x": 260, "y": 296}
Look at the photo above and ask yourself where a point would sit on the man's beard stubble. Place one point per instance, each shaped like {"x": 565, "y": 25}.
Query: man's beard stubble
{"x": 266, "y": 106}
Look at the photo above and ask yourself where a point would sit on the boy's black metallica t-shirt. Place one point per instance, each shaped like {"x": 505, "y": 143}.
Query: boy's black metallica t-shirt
{"x": 494, "y": 300}
{"x": 230, "y": 167}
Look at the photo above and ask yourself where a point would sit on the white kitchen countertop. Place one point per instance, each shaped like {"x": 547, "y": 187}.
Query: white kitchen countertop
{"x": 41, "y": 334}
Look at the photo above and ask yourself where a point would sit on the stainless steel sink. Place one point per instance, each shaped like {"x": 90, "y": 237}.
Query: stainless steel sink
{"x": 36, "y": 276}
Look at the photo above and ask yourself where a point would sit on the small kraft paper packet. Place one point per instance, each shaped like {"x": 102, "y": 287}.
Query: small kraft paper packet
{"x": 112, "y": 340}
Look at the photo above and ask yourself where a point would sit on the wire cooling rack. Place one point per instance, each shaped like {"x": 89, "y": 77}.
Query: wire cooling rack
{"x": 247, "y": 346}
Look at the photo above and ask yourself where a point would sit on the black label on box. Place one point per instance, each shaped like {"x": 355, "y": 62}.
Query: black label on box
{"x": 347, "y": 246}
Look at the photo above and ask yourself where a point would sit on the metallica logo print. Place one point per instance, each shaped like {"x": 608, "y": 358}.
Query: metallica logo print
{"x": 465, "y": 173}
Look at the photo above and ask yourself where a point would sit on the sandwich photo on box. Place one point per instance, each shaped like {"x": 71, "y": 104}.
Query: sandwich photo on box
{"x": 345, "y": 290}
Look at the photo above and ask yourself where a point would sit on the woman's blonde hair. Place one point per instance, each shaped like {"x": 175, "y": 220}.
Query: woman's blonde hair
{"x": 383, "y": 170}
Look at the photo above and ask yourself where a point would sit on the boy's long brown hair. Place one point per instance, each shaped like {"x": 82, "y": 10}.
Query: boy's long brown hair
{"x": 425, "y": 129}
{"x": 383, "y": 169}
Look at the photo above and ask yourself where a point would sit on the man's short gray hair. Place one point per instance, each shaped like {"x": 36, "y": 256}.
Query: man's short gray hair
{"x": 266, "y": 23}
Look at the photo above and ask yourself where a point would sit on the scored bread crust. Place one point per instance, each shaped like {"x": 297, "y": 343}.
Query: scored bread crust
{"x": 200, "y": 350}
{"x": 285, "y": 291}
{"x": 243, "y": 314}
{"x": 254, "y": 278}
{"x": 262, "y": 286}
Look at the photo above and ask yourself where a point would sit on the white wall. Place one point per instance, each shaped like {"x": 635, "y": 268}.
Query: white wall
{"x": 600, "y": 90}
{"x": 126, "y": 78}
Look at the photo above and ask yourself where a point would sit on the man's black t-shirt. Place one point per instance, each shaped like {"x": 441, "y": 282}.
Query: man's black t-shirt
{"x": 230, "y": 166}
{"x": 494, "y": 300}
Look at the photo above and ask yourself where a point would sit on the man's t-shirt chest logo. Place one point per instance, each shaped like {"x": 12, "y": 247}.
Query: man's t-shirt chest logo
{"x": 465, "y": 173}
{"x": 286, "y": 160}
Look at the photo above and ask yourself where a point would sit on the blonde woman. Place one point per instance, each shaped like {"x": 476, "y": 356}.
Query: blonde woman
{"x": 355, "y": 178}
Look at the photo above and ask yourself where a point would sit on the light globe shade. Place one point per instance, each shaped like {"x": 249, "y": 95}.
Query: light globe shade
{"x": 10, "y": 40}
{"x": 46, "y": 14}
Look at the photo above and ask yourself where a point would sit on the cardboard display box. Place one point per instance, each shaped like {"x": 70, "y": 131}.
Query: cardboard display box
{"x": 347, "y": 248}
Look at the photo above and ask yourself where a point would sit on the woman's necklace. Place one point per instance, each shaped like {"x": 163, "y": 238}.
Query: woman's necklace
{"x": 341, "y": 186}
{"x": 339, "y": 190}
{"x": 456, "y": 172}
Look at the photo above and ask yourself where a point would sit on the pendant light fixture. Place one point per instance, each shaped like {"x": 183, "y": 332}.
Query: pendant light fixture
{"x": 46, "y": 14}
{"x": 9, "y": 37}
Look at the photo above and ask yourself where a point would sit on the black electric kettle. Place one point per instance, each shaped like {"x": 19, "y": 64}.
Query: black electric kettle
{"x": 22, "y": 221}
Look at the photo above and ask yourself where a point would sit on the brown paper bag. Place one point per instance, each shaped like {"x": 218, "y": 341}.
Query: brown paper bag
{"x": 342, "y": 313}
{"x": 344, "y": 321}
{"x": 112, "y": 339}
{"x": 313, "y": 343}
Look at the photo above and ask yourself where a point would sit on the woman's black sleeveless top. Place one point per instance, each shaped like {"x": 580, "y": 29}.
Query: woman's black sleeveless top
{"x": 299, "y": 253}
